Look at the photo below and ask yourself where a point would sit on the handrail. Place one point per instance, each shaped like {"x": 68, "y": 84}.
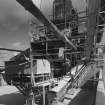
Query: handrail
{"x": 76, "y": 77}
{"x": 83, "y": 72}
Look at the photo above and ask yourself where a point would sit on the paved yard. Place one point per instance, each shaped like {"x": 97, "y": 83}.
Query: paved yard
{"x": 9, "y": 95}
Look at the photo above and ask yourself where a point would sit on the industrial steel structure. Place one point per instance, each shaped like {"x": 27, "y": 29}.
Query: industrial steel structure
{"x": 62, "y": 64}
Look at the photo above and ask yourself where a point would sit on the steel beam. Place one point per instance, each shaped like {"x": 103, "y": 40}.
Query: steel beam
{"x": 6, "y": 49}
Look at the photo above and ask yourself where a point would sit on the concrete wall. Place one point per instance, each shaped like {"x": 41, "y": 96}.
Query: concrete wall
{"x": 100, "y": 95}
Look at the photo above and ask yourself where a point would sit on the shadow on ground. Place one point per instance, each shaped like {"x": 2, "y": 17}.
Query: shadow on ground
{"x": 12, "y": 99}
